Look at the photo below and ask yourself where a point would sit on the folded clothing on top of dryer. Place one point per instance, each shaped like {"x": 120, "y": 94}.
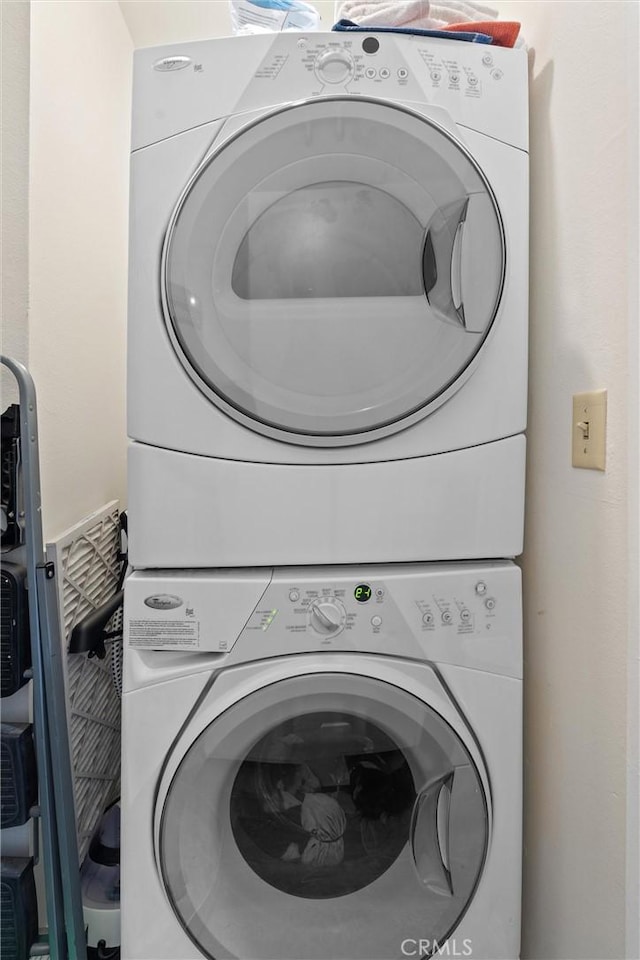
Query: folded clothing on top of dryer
{"x": 468, "y": 21}
{"x": 417, "y": 13}
{"x": 469, "y": 37}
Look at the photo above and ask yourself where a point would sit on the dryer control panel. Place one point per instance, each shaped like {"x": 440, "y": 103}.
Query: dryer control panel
{"x": 185, "y": 85}
{"x": 468, "y": 613}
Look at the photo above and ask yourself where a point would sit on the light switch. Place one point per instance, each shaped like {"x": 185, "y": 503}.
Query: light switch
{"x": 589, "y": 430}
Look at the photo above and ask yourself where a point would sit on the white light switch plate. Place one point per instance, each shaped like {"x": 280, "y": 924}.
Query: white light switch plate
{"x": 589, "y": 430}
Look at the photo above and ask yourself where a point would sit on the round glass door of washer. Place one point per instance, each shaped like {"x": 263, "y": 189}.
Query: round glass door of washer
{"x": 332, "y": 270}
{"x": 327, "y": 815}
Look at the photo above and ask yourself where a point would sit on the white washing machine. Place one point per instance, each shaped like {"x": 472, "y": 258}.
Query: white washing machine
{"x": 328, "y": 301}
{"x": 322, "y": 763}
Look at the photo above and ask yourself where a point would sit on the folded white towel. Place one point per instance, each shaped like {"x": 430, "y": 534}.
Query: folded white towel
{"x": 421, "y": 14}
{"x": 452, "y": 11}
{"x": 392, "y": 13}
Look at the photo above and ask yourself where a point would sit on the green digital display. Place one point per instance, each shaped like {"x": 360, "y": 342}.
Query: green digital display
{"x": 362, "y": 592}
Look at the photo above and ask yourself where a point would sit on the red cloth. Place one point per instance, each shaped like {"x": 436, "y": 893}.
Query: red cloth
{"x": 504, "y": 32}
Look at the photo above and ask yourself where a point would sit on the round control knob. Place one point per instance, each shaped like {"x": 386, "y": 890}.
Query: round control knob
{"x": 327, "y": 616}
{"x": 334, "y": 66}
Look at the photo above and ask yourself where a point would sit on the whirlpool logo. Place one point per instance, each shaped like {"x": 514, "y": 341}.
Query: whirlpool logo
{"x": 164, "y": 601}
{"x": 171, "y": 64}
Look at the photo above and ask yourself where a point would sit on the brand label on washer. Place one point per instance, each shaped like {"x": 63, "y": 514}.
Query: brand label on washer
{"x": 158, "y": 634}
{"x": 163, "y": 601}
{"x": 171, "y": 64}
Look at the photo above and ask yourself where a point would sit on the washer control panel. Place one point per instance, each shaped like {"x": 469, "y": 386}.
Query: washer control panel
{"x": 326, "y": 609}
{"x": 465, "y": 613}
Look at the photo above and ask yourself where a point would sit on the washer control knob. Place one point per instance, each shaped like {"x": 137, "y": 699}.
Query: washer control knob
{"x": 327, "y": 616}
{"x": 334, "y": 66}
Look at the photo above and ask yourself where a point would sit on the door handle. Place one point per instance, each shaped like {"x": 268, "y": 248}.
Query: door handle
{"x": 456, "y": 272}
{"x": 442, "y": 263}
{"x": 429, "y": 835}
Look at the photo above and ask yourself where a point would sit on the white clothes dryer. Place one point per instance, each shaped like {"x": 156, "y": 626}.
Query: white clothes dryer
{"x": 328, "y": 301}
{"x": 322, "y": 763}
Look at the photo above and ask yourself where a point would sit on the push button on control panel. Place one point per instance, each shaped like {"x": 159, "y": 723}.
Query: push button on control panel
{"x": 490, "y": 603}
{"x": 370, "y": 44}
{"x": 481, "y": 588}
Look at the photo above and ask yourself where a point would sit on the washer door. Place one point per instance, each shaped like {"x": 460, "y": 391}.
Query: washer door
{"x": 332, "y": 270}
{"x": 325, "y": 815}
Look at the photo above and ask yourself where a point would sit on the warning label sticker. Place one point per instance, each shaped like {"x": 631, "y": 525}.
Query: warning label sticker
{"x": 155, "y": 634}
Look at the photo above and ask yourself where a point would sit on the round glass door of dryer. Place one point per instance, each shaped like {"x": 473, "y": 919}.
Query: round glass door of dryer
{"x": 323, "y": 815}
{"x": 332, "y": 270}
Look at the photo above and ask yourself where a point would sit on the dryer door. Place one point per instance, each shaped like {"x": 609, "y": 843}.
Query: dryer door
{"x": 332, "y": 270}
{"x": 324, "y": 815}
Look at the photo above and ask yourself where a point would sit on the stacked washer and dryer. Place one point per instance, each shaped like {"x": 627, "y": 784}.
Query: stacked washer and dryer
{"x": 322, "y": 703}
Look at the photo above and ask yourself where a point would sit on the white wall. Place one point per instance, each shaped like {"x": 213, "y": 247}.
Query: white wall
{"x": 633, "y": 680}
{"x": 575, "y": 560}
{"x": 15, "y": 176}
{"x": 80, "y": 115}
